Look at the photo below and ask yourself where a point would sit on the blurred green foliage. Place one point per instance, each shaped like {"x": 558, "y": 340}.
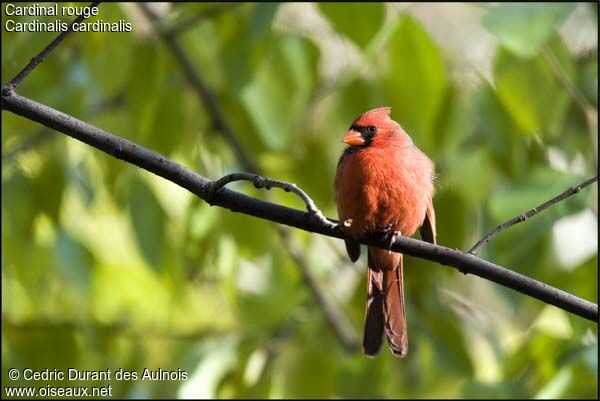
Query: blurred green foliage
{"x": 106, "y": 266}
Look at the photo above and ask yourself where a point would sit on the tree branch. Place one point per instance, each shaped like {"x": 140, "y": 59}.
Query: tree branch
{"x": 530, "y": 213}
{"x": 237, "y": 202}
{"x": 268, "y": 183}
{"x": 47, "y": 50}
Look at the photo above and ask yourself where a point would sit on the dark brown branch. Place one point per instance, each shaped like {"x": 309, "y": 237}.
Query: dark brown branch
{"x": 237, "y": 202}
{"x": 47, "y": 50}
{"x": 530, "y": 213}
{"x": 268, "y": 183}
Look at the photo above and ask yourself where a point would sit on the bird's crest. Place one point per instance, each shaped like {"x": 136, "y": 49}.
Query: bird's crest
{"x": 374, "y": 116}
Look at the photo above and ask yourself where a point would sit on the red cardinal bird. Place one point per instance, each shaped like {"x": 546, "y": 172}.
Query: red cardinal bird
{"x": 383, "y": 186}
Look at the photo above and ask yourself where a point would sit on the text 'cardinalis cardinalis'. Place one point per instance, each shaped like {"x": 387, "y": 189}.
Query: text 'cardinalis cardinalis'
{"x": 383, "y": 186}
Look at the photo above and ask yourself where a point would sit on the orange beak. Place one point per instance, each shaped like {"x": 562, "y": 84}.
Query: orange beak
{"x": 353, "y": 138}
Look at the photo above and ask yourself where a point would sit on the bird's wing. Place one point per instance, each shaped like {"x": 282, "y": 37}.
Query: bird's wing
{"x": 353, "y": 249}
{"x": 427, "y": 230}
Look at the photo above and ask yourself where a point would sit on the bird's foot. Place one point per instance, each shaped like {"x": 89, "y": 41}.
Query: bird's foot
{"x": 392, "y": 239}
{"x": 389, "y": 235}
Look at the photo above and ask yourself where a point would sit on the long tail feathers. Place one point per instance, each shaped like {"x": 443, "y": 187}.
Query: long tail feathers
{"x": 374, "y": 320}
{"x": 385, "y": 304}
{"x": 394, "y": 313}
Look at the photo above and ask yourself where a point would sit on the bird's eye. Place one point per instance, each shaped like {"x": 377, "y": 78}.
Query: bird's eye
{"x": 371, "y": 129}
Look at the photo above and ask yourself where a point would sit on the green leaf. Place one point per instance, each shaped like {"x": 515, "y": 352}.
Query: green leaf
{"x": 148, "y": 219}
{"x": 127, "y": 293}
{"x": 143, "y": 89}
{"x": 451, "y": 208}
{"x": 471, "y": 174}
{"x": 490, "y": 391}
{"x": 74, "y": 260}
{"x": 359, "y": 21}
{"x": 588, "y": 77}
{"x": 499, "y": 133}
{"x": 268, "y": 291}
{"x": 48, "y": 187}
{"x": 18, "y": 206}
{"x": 168, "y": 127}
{"x": 305, "y": 371}
{"x": 523, "y": 27}
{"x": 79, "y": 175}
{"x": 101, "y": 53}
{"x": 246, "y": 35}
{"x": 530, "y": 92}
{"x": 415, "y": 81}
{"x": 277, "y": 96}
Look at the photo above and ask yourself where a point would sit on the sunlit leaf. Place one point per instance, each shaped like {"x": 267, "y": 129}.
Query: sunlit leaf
{"x": 148, "y": 220}
{"x": 305, "y": 372}
{"x": 523, "y": 27}
{"x": 359, "y": 21}
{"x": 246, "y": 36}
{"x": 529, "y": 90}
{"x": 415, "y": 80}
{"x": 278, "y": 95}
{"x": 74, "y": 261}
{"x": 49, "y": 187}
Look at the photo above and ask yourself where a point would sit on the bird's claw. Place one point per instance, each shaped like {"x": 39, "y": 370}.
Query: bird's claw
{"x": 392, "y": 239}
{"x": 389, "y": 235}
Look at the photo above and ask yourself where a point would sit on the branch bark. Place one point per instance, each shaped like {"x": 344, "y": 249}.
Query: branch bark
{"x": 268, "y": 183}
{"x": 237, "y": 202}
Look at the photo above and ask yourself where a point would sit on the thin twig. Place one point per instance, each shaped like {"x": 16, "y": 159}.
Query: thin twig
{"x": 237, "y": 202}
{"x": 268, "y": 183}
{"x": 47, "y": 50}
{"x": 530, "y": 213}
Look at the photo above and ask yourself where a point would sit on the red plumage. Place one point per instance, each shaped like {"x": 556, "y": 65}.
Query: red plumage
{"x": 384, "y": 181}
